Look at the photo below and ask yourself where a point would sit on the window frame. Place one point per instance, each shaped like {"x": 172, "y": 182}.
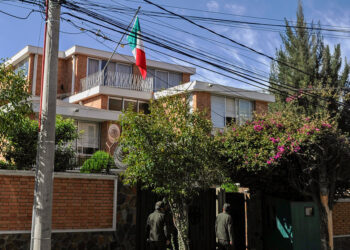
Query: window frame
{"x": 98, "y": 130}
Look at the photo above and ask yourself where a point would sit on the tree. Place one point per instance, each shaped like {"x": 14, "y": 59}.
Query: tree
{"x": 306, "y": 64}
{"x": 308, "y": 154}
{"x": 14, "y": 95}
{"x": 171, "y": 151}
{"x": 20, "y": 145}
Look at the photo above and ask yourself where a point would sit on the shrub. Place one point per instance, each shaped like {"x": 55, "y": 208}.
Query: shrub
{"x": 99, "y": 161}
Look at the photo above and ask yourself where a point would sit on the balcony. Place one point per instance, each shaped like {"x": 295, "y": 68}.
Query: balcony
{"x": 117, "y": 80}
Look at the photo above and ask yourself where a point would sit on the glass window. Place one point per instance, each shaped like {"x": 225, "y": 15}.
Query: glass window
{"x": 111, "y": 67}
{"x": 93, "y": 66}
{"x": 128, "y": 103}
{"x": 245, "y": 111}
{"x": 88, "y": 142}
{"x": 144, "y": 107}
{"x": 124, "y": 68}
{"x": 218, "y": 111}
{"x": 230, "y": 111}
{"x": 161, "y": 80}
{"x": 174, "y": 79}
{"x": 115, "y": 104}
{"x": 22, "y": 67}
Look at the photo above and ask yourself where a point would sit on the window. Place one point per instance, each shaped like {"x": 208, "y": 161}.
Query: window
{"x": 124, "y": 68}
{"x": 89, "y": 140}
{"x": 93, "y": 66}
{"x": 225, "y": 110}
{"x": 22, "y": 67}
{"x": 120, "y": 104}
{"x": 174, "y": 79}
{"x": 218, "y": 111}
{"x": 144, "y": 107}
{"x": 245, "y": 111}
{"x": 115, "y": 104}
{"x": 161, "y": 80}
{"x": 164, "y": 79}
{"x": 230, "y": 114}
{"x": 128, "y": 103}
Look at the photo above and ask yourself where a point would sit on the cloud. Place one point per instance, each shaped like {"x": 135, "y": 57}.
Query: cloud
{"x": 213, "y": 6}
{"x": 235, "y": 9}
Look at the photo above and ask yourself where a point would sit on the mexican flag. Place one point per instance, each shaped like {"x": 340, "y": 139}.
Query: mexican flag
{"x": 135, "y": 42}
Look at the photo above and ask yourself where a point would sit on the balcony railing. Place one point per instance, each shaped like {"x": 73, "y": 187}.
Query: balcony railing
{"x": 118, "y": 80}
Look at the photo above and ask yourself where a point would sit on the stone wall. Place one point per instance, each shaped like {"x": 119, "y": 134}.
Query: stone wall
{"x": 63, "y": 241}
{"x": 126, "y": 217}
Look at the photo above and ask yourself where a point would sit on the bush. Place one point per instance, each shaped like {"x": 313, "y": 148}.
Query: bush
{"x": 20, "y": 146}
{"x": 99, "y": 161}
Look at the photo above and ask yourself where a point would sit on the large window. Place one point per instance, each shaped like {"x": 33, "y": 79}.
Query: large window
{"x": 95, "y": 65}
{"x": 226, "y": 110}
{"x": 89, "y": 139}
{"x": 164, "y": 79}
{"x": 22, "y": 67}
{"x": 120, "y": 104}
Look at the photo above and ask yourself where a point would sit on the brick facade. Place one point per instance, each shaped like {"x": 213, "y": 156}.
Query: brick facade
{"x": 78, "y": 203}
{"x": 186, "y": 77}
{"x": 261, "y": 107}
{"x": 202, "y": 102}
{"x": 341, "y": 218}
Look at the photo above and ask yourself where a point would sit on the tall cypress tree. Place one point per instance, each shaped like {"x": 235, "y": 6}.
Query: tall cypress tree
{"x": 308, "y": 66}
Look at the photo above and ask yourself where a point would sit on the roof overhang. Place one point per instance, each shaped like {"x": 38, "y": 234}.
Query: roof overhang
{"x": 26, "y": 51}
{"x": 110, "y": 91}
{"x": 216, "y": 89}
{"x": 79, "y": 112}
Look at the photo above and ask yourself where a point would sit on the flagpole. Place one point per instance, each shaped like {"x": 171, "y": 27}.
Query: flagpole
{"x": 116, "y": 47}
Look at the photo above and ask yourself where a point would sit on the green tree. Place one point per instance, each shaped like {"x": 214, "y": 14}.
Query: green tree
{"x": 289, "y": 150}
{"x": 306, "y": 64}
{"x": 171, "y": 152}
{"x": 14, "y": 103}
{"x": 20, "y": 145}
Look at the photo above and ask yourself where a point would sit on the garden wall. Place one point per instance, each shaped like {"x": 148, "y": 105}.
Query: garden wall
{"x": 84, "y": 210}
{"x": 341, "y": 224}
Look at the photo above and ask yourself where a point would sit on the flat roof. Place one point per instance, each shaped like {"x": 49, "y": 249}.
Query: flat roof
{"x": 76, "y": 49}
{"x": 79, "y": 112}
{"x": 216, "y": 89}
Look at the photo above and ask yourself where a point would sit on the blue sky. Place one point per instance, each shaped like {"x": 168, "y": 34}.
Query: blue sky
{"x": 16, "y": 34}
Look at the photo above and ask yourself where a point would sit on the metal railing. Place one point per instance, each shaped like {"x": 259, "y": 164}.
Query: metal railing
{"x": 118, "y": 80}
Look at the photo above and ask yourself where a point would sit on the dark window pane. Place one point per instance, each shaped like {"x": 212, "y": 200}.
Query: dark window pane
{"x": 115, "y": 104}
{"x": 127, "y": 104}
{"x": 144, "y": 107}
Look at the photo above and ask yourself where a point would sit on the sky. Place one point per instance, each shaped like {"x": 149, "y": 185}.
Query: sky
{"x": 17, "y": 33}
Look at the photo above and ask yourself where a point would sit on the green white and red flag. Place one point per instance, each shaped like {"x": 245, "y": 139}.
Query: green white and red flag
{"x": 136, "y": 44}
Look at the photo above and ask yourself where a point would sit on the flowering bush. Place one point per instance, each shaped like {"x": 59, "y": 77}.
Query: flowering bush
{"x": 270, "y": 138}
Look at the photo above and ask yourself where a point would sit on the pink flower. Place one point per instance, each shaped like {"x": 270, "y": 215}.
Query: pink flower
{"x": 317, "y": 129}
{"x": 326, "y": 125}
{"x": 296, "y": 149}
{"x": 258, "y": 128}
{"x": 280, "y": 148}
{"x": 274, "y": 140}
{"x": 269, "y": 162}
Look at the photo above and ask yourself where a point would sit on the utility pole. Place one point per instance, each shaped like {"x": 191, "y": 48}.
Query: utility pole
{"x": 42, "y": 207}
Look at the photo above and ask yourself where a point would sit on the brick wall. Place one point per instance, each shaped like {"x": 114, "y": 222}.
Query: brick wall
{"x": 80, "y": 71}
{"x": 78, "y": 202}
{"x": 341, "y": 218}
{"x": 30, "y": 72}
{"x": 202, "y": 102}
{"x": 186, "y": 77}
{"x": 261, "y": 107}
{"x": 99, "y": 101}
